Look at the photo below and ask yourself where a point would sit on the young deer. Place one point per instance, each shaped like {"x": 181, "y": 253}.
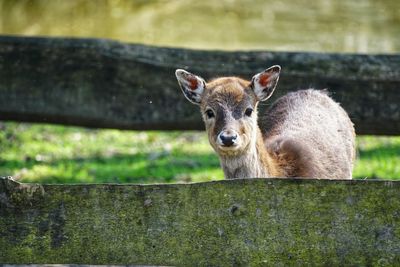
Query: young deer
{"x": 303, "y": 134}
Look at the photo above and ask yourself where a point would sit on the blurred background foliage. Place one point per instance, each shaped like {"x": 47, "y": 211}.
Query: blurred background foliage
{"x": 324, "y": 25}
{"x": 58, "y": 154}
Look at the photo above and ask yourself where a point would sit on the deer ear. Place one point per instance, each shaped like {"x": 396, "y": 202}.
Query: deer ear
{"x": 264, "y": 83}
{"x": 192, "y": 86}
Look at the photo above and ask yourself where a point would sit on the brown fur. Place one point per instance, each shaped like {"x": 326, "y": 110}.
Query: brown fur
{"x": 312, "y": 132}
{"x": 303, "y": 134}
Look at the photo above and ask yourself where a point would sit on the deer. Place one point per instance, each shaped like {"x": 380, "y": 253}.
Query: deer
{"x": 303, "y": 134}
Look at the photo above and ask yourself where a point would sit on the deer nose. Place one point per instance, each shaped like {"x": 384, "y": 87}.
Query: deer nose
{"x": 228, "y": 138}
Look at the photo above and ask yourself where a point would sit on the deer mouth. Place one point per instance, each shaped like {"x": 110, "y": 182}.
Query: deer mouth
{"x": 232, "y": 150}
{"x": 233, "y": 146}
{"x": 228, "y": 147}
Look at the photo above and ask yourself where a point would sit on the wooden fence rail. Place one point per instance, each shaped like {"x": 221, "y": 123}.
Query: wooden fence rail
{"x": 249, "y": 222}
{"x": 102, "y": 83}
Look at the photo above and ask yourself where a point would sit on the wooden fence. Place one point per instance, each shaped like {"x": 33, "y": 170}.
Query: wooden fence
{"x": 256, "y": 222}
{"x": 249, "y": 222}
{"x": 102, "y": 83}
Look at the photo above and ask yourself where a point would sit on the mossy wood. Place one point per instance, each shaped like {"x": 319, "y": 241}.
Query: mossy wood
{"x": 225, "y": 223}
{"x": 103, "y": 83}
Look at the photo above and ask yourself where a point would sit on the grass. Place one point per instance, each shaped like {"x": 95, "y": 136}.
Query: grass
{"x": 378, "y": 157}
{"x": 58, "y": 154}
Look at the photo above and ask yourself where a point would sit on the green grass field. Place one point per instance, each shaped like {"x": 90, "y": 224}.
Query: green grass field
{"x": 58, "y": 154}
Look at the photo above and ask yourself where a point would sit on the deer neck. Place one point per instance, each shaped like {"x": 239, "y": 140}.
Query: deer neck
{"x": 254, "y": 162}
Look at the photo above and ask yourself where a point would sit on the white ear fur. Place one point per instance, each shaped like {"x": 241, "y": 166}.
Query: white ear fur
{"x": 264, "y": 83}
{"x": 192, "y": 86}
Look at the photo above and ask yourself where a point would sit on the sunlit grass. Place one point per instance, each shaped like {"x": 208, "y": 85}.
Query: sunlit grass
{"x": 57, "y": 154}
{"x": 379, "y": 157}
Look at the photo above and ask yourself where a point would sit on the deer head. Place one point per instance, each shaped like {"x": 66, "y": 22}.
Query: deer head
{"x": 229, "y": 106}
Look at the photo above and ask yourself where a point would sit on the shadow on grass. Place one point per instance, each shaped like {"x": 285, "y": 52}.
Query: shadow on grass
{"x": 121, "y": 168}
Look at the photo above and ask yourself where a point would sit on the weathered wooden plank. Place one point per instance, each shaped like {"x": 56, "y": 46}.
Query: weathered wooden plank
{"x": 249, "y": 222}
{"x": 102, "y": 83}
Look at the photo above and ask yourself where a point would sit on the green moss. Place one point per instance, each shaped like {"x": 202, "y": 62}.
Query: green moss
{"x": 238, "y": 222}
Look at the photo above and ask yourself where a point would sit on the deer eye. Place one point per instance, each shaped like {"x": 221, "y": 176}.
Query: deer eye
{"x": 248, "y": 112}
{"x": 209, "y": 113}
